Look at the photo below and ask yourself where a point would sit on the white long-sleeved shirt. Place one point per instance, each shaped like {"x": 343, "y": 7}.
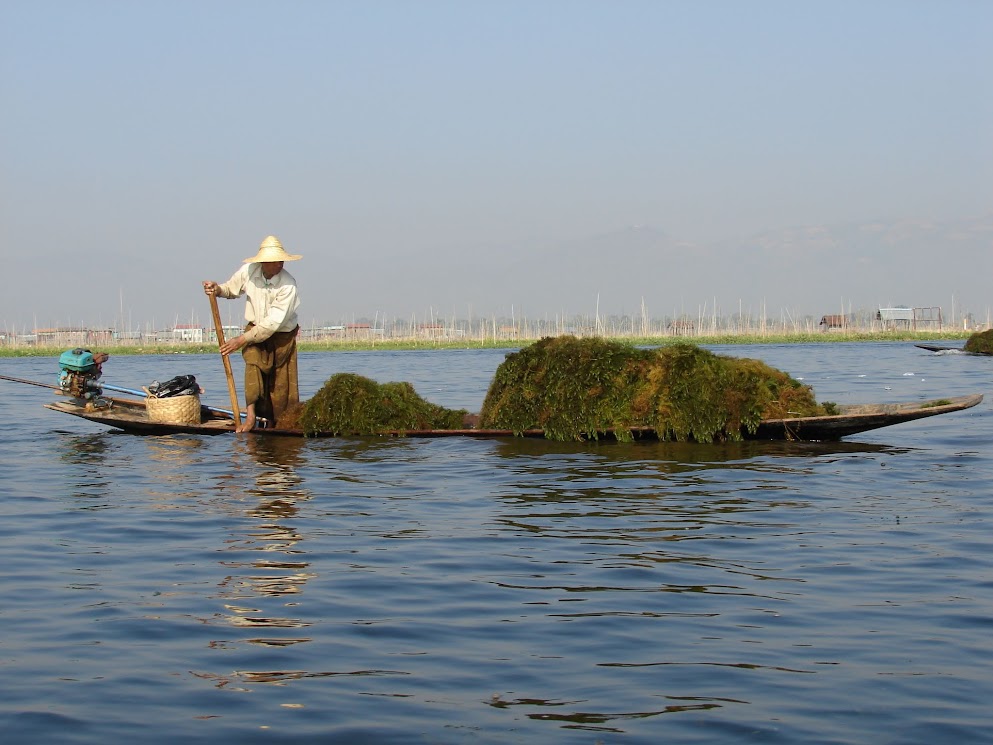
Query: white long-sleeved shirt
{"x": 272, "y": 303}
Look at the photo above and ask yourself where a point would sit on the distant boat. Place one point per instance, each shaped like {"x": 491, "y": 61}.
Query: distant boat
{"x": 940, "y": 348}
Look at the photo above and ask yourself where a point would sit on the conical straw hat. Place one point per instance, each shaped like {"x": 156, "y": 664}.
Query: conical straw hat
{"x": 272, "y": 250}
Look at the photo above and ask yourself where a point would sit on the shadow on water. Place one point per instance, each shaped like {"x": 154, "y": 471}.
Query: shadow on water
{"x": 84, "y": 449}
{"x": 561, "y": 711}
{"x": 85, "y": 459}
{"x": 690, "y": 454}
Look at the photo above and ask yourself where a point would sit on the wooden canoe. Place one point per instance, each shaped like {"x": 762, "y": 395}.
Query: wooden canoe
{"x": 131, "y": 416}
{"x": 940, "y": 348}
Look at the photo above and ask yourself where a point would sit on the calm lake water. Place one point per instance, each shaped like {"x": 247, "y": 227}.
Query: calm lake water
{"x": 267, "y": 590}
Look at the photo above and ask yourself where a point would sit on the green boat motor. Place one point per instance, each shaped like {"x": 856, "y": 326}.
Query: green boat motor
{"x": 79, "y": 373}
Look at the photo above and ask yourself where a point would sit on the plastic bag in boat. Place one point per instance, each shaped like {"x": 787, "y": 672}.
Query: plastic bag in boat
{"x": 181, "y": 385}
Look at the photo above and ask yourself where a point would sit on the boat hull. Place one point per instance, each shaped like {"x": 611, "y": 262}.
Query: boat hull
{"x": 131, "y": 416}
{"x": 941, "y": 348}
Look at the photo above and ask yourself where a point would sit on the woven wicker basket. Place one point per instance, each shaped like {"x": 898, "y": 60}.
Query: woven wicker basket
{"x": 174, "y": 409}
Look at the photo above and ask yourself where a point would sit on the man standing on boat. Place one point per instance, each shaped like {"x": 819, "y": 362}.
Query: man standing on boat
{"x": 269, "y": 343}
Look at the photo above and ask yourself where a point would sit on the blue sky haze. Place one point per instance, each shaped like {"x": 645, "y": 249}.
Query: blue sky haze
{"x": 475, "y": 157}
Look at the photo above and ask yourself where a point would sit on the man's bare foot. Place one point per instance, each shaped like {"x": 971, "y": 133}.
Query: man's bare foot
{"x": 249, "y": 424}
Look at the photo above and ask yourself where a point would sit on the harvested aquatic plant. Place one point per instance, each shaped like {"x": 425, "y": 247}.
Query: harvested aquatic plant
{"x": 349, "y": 404}
{"x": 575, "y": 388}
{"x": 980, "y": 343}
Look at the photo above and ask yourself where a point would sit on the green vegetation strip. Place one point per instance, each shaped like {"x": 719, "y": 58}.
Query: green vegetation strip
{"x": 335, "y": 345}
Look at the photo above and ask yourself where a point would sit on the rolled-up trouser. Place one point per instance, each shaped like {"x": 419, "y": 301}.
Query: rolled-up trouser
{"x": 271, "y": 374}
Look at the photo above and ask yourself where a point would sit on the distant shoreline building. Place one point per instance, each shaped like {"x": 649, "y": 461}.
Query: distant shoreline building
{"x": 188, "y": 333}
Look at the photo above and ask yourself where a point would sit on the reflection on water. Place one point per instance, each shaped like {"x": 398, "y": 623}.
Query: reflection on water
{"x": 173, "y": 451}
{"x": 84, "y": 449}
{"x": 652, "y": 521}
{"x": 86, "y": 458}
{"x": 278, "y": 491}
{"x": 173, "y": 463}
{"x": 590, "y": 720}
{"x": 280, "y": 677}
{"x": 276, "y": 451}
{"x": 277, "y": 481}
{"x": 681, "y": 455}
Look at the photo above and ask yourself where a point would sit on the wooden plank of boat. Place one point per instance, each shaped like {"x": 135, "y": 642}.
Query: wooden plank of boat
{"x": 131, "y": 416}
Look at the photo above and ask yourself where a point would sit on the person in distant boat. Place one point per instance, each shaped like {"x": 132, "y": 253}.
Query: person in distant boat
{"x": 268, "y": 343}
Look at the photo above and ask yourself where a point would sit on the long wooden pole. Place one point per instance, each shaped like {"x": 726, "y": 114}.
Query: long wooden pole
{"x": 219, "y": 330}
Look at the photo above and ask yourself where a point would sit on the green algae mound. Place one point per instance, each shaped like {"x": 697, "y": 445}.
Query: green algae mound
{"x": 980, "y": 343}
{"x": 349, "y": 404}
{"x": 575, "y": 389}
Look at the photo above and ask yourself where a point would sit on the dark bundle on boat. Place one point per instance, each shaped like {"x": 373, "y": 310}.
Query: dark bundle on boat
{"x": 349, "y": 404}
{"x": 576, "y": 388}
{"x": 980, "y": 343}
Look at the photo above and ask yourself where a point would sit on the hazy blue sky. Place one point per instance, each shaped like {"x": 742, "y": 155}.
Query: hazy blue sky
{"x": 435, "y": 155}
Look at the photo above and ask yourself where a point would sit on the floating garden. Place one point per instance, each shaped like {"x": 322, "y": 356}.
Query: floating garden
{"x": 349, "y": 404}
{"x": 578, "y": 388}
{"x": 980, "y": 343}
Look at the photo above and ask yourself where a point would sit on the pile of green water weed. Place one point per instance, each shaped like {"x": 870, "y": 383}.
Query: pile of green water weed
{"x": 349, "y": 404}
{"x": 574, "y": 389}
{"x": 980, "y": 343}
